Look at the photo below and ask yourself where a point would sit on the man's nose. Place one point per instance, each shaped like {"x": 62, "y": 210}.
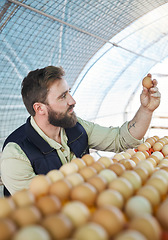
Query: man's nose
{"x": 71, "y": 100}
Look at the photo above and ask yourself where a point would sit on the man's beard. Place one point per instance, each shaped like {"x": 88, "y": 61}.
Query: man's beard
{"x": 62, "y": 119}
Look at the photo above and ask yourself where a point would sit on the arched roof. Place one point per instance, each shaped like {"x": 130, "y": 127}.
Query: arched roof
{"x": 105, "y": 47}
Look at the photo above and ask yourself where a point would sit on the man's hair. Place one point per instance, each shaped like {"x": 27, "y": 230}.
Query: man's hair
{"x": 36, "y": 84}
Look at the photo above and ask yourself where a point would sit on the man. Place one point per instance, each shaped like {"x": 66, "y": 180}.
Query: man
{"x": 53, "y": 135}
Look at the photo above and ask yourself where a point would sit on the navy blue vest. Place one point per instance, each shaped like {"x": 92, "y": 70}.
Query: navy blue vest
{"x": 42, "y": 156}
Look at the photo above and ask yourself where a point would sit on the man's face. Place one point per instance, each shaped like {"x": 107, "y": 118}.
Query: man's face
{"x": 60, "y": 105}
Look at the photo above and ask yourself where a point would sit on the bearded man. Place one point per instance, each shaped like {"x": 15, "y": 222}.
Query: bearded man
{"x": 53, "y": 135}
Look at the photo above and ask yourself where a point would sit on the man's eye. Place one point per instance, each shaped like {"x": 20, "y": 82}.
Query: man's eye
{"x": 64, "y": 95}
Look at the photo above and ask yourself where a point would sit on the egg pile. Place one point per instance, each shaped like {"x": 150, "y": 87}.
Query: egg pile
{"x": 123, "y": 198}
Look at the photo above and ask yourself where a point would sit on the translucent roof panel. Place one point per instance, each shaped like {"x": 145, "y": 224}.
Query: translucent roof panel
{"x": 115, "y": 72}
{"x": 105, "y": 47}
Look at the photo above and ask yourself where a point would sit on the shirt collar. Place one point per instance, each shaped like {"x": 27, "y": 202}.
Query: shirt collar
{"x": 50, "y": 141}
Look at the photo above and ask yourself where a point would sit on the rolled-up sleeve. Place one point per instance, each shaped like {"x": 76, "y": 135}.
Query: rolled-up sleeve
{"x": 113, "y": 139}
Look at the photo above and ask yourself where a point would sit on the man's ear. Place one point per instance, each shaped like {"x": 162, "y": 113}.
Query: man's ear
{"x": 39, "y": 108}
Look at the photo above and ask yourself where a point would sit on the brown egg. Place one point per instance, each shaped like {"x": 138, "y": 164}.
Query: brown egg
{"x": 88, "y": 159}
{"x": 58, "y": 225}
{"x": 151, "y": 141}
{"x": 69, "y": 168}
{"x": 144, "y": 146}
{"x": 118, "y": 168}
{"x": 106, "y": 161}
{"x": 7, "y": 229}
{"x": 161, "y": 172}
{"x": 48, "y": 204}
{"x": 140, "y": 155}
{"x": 147, "y": 82}
{"x": 164, "y": 167}
{"x": 154, "y": 163}
{"x": 165, "y": 138}
{"x": 110, "y": 197}
{"x": 137, "y": 205}
{"x": 85, "y": 193}
{"x": 154, "y": 158}
{"x": 108, "y": 174}
{"x": 146, "y": 153}
{"x": 165, "y": 149}
{"x": 118, "y": 156}
{"x": 110, "y": 218}
{"x": 123, "y": 186}
{"x": 80, "y": 162}
{"x": 128, "y": 164}
{"x": 150, "y": 193}
{"x": 99, "y": 182}
{"x": 131, "y": 151}
{"x": 87, "y": 172}
{"x": 158, "y": 154}
{"x": 158, "y": 146}
{"x": 147, "y": 165}
{"x": 26, "y": 215}
{"x": 156, "y": 137}
{"x": 61, "y": 189}
{"x": 36, "y": 232}
{"x": 163, "y": 142}
{"x": 115, "y": 160}
{"x": 55, "y": 175}
{"x": 147, "y": 225}
{"x": 90, "y": 231}
{"x": 133, "y": 178}
{"x": 75, "y": 179}
{"x": 156, "y": 169}
{"x": 160, "y": 183}
{"x": 143, "y": 173}
{"x": 126, "y": 155}
{"x": 77, "y": 212}
{"x": 136, "y": 159}
{"x": 148, "y": 144}
{"x": 164, "y": 162}
{"x": 23, "y": 198}
{"x": 129, "y": 234}
{"x": 162, "y": 214}
{"x": 39, "y": 185}
{"x": 98, "y": 166}
{"x": 7, "y": 205}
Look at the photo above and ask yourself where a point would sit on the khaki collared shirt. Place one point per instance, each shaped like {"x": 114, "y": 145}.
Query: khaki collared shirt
{"x": 16, "y": 169}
